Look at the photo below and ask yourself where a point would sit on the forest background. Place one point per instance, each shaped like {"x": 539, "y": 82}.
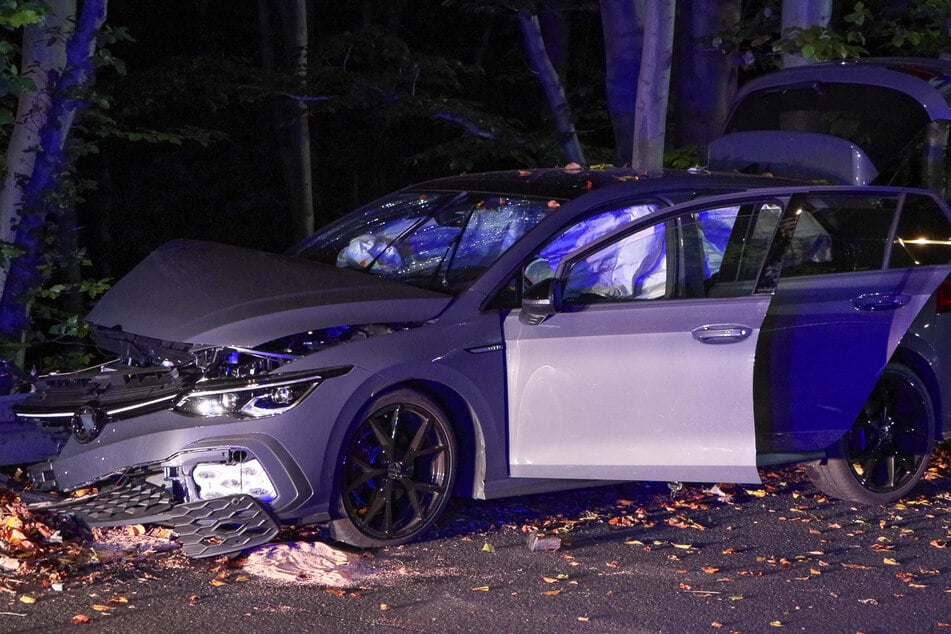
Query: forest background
{"x": 251, "y": 123}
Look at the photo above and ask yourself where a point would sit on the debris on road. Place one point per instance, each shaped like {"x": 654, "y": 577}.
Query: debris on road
{"x": 540, "y": 541}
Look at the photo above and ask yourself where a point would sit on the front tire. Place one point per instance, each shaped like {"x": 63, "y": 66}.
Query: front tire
{"x": 886, "y": 451}
{"x": 397, "y": 469}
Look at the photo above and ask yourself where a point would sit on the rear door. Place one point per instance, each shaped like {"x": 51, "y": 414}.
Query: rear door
{"x": 855, "y": 274}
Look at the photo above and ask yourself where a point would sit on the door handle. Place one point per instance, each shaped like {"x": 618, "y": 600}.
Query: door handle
{"x": 722, "y": 333}
{"x": 880, "y": 301}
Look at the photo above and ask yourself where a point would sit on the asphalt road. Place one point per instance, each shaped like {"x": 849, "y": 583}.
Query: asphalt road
{"x": 778, "y": 557}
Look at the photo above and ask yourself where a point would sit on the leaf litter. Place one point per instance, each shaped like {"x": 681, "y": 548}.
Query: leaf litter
{"x": 39, "y": 552}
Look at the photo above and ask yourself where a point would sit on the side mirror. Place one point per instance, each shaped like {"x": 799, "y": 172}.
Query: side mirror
{"x": 540, "y": 302}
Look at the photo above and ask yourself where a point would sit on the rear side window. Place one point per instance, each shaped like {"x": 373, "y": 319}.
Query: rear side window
{"x": 923, "y": 236}
{"x": 839, "y": 234}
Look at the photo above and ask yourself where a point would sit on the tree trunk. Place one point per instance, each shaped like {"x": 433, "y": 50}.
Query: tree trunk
{"x": 556, "y": 33}
{"x": 551, "y": 85}
{"x": 705, "y": 78}
{"x": 298, "y": 133}
{"x": 39, "y": 202}
{"x": 623, "y": 27}
{"x": 803, "y": 14}
{"x": 289, "y": 113}
{"x": 653, "y": 86}
{"x": 43, "y": 56}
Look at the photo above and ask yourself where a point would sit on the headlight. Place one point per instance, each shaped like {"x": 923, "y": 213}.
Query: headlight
{"x": 248, "y": 398}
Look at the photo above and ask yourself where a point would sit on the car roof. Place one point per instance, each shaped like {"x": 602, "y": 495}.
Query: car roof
{"x": 927, "y": 81}
{"x": 567, "y": 183}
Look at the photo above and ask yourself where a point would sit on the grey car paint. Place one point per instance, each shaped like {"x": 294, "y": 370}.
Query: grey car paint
{"x": 608, "y": 372}
{"x": 881, "y": 72}
{"x": 213, "y": 294}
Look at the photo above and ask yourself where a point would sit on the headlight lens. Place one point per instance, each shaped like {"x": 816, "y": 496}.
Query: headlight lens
{"x": 257, "y": 399}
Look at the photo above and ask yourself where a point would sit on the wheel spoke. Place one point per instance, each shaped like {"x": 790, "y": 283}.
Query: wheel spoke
{"x": 386, "y": 443}
{"x": 379, "y": 501}
{"x": 907, "y": 465}
{"x": 414, "y": 446}
{"x": 388, "y": 509}
{"x": 418, "y": 511}
{"x": 362, "y": 479}
{"x": 890, "y": 471}
{"x": 428, "y": 487}
{"x": 394, "y": 423}
{"x": 433, "y": 449}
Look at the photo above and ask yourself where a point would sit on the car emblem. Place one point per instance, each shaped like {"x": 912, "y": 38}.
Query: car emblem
{"x": 87, "y": 422}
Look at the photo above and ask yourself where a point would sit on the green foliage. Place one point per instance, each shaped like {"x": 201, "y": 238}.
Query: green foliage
{"x": 873, "y": 27}
{"x": 917, "y": 28}
{"x": 14, "y": 14}
{"x": 820, "y": 43}
{"x": 56, "y": 339}
{"x": 18, "y": 13}
{"x": 8, "y": 251}
{"x": 684, "y": 157}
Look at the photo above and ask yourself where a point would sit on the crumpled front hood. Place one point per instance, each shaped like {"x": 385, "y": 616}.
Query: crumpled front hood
{"x": 208, "y": 293}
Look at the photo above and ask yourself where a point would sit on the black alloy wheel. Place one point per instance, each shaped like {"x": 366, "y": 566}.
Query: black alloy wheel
{"x": 885, "y": 453}
{"x": 396, "y": 472}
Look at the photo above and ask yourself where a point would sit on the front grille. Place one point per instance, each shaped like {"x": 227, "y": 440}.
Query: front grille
{"x": 121, "y": 393}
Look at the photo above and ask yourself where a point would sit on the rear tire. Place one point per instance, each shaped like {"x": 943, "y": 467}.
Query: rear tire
{"x": 886, "y": 451}
{"x": 397, "y": 470}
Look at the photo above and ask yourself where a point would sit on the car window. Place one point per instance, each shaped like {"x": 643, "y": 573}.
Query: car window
{"x": 712, "y": 252}
{"x": 925, "y": 161}
{"x": 544, "y": 264}
{"x": 438, "y": 240}
{"x": 634, "y": 267}
{"x": 923, "y": 236}
{"x": 839, "y": 233}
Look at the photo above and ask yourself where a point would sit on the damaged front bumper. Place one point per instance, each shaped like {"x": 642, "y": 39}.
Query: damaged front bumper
{"x": 205, "y": 528}
{"x": 217, "y": 500}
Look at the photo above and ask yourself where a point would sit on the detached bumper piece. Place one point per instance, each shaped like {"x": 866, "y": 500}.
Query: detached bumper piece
{"x": 134, "y": 503}
{"x": 208, "y": 528}
{"x": 205, "y": 528}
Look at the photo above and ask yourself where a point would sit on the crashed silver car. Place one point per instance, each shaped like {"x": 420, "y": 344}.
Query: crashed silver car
{"x": 506, "y": 333}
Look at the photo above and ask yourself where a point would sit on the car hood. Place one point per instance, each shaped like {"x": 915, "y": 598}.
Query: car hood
{"x": 207, "y": 293}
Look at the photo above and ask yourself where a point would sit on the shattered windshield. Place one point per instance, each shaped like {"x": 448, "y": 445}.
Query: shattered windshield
{"x": 437, "y": 240}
